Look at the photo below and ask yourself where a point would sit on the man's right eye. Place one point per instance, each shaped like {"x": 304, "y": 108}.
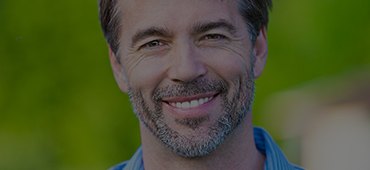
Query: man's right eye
{"x": 152, "y": 44}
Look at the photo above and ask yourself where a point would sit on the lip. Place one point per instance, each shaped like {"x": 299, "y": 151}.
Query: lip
{"x": 195, "y": 112}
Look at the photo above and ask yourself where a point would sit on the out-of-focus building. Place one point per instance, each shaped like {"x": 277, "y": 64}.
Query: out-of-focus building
{"x": 325, "y": 123}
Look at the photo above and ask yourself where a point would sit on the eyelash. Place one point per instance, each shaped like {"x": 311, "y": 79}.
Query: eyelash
{"x": 214, "y": 37}
{"x": 152, "y": 45}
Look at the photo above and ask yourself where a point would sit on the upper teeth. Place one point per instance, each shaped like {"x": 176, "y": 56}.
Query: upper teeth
{"x": 190, "y": 104}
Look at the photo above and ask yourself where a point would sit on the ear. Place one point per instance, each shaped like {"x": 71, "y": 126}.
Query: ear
{"x": 118, "y": 71}
{"x": 260, "y": 52}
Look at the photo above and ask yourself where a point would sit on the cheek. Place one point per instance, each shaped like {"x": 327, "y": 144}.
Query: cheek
{"x": 229, "y": 64}
{"x": 146, "y": 75}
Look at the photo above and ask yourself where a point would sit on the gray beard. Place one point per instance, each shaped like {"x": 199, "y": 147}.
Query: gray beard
{"x": 189, "y": 146}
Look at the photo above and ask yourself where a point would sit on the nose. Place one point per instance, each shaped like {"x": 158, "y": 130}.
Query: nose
{"x": 187, "y": 64}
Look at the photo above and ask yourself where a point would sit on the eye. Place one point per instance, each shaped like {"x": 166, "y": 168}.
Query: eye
{"x": 152, "y": 44}
{"x": 214, "y": 37}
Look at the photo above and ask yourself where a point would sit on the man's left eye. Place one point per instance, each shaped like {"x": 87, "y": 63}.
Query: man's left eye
{"x": 214, "y": 37}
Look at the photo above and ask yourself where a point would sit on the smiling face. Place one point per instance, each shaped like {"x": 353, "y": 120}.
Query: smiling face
{"x": 189, "y": 69}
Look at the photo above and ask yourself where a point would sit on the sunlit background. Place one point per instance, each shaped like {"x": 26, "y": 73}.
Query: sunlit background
{"x": 61, "y": 109}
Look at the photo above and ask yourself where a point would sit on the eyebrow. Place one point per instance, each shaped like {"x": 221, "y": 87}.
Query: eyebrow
{"x": 152, "y": 31}
{"x": 220, "y": 24}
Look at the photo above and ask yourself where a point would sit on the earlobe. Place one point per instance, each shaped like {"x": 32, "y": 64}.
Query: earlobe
{"x": 260, "y": 52}
{"x": 118, "y": 71}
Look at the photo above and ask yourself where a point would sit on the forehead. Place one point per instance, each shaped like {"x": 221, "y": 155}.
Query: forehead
{"x": 175, "y": 14}
{"x": 141, "y": 6}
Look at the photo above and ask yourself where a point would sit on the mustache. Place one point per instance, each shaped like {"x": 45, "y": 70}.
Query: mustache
{"x": 194, "y": 87}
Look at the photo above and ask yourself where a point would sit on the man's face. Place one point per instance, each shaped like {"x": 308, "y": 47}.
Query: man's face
{"x": 188, "y": 69}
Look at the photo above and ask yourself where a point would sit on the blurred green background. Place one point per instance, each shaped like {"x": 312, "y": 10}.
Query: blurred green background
{"x": 61, "y": 109}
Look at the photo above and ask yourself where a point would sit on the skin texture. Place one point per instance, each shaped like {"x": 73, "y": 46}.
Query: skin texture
{"x": 174, "y": 51}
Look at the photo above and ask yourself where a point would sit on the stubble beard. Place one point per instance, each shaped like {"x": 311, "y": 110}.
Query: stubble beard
{"x": 234, "y": 111}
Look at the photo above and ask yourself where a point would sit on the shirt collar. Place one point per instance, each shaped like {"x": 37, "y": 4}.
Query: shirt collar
{"x": 275, "y": 159}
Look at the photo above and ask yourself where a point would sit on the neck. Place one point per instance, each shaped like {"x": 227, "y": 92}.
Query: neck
{"x": 238, "y": 152}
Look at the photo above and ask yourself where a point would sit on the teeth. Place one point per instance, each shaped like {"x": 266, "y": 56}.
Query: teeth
{"x": 194, "y": 103}
{"x": 201, "y": 101}
{"x": 185, "y": 105}
{"x": 191, "y": 104}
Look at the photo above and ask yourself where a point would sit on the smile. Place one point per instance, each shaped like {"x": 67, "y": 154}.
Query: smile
{"x": 190, "y": 102}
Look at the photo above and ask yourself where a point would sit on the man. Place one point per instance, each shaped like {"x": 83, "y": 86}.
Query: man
{"x": 189, "y": 67}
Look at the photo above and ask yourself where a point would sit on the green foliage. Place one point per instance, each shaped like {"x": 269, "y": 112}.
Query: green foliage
{"x": 60, "y": 107}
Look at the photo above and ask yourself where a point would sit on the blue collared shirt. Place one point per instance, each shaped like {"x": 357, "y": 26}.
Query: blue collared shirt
{"x": 275, "y": 158}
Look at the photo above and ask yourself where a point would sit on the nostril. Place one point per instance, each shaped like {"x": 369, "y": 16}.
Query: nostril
{"x": 177, "y": 81}
{"x": 186, "y": 79}
{"x": 187, "y": 72}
